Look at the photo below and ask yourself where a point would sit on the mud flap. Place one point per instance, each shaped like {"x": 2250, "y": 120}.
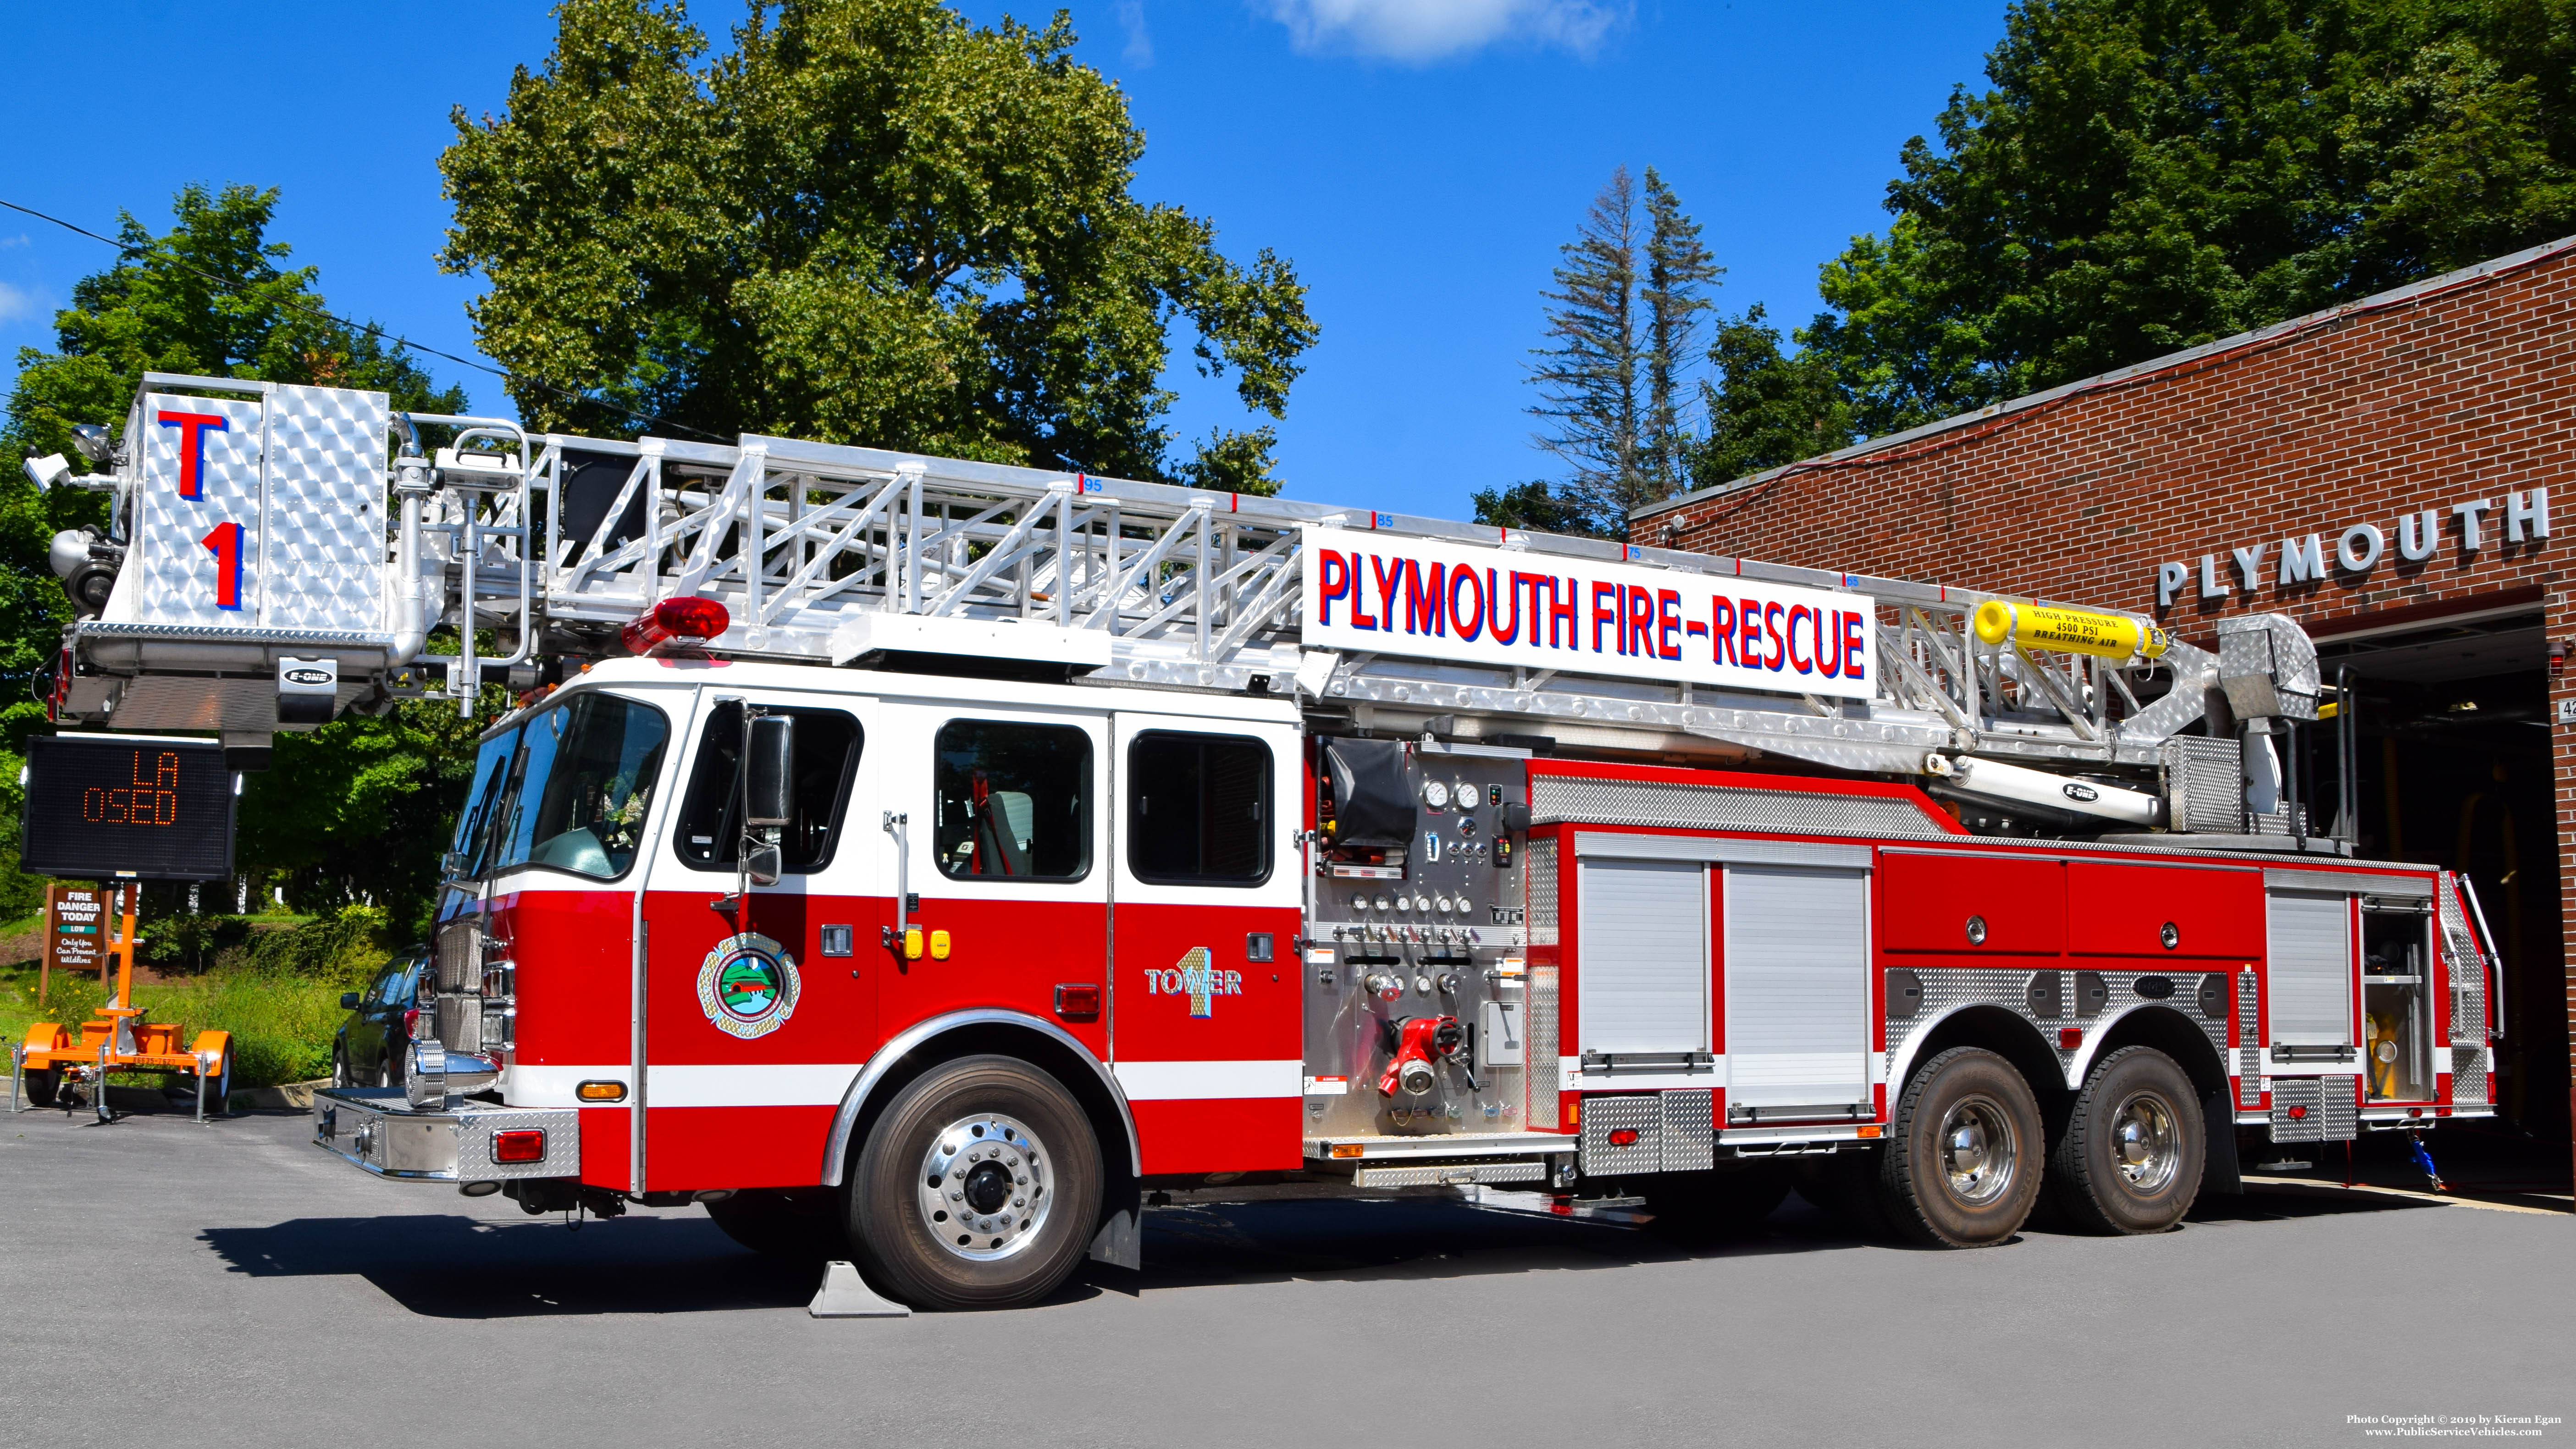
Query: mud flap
{"x": 2219, "y": 1170}
{"x": 1120, "y": 1242}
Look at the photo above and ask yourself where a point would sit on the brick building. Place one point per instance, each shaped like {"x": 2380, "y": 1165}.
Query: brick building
{"x": 2382, "y": 473}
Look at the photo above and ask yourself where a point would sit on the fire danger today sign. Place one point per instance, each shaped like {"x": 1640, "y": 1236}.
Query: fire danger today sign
{"x": 1376, "y": 594}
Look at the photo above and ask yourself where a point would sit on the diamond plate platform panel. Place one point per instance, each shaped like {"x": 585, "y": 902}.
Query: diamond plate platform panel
{"x": 1556, "y": 798}
{"x": 322, "y": 551}
{"x": 1690, "y": 1131}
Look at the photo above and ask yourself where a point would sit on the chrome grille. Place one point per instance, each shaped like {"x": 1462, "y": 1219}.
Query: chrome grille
{"x": 459, "y": 955}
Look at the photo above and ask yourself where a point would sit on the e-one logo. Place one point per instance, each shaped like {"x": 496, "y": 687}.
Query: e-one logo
{"x": 2360, "y": 547}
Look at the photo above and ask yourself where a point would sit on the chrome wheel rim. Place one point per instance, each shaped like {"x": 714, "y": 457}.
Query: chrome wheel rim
{"x": 2146, "y": 1143}
{"x": 984, "y": 1187}
{"x": 1978, "y": 1151}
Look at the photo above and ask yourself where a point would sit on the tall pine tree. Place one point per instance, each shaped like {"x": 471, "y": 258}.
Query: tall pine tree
{"x": 1678, "y": 267}
{"x": 1621, "y": 325}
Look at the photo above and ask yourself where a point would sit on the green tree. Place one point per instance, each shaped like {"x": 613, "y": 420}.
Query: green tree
{"x": 1587, "y": 374}
{"x": 1765, "y": 408}
{"x": 1535, "y": 505}
{"x": 2147, "y": 175}
{"x": 869, "y": 222}
{"x": 350, "y": 810}
{"x": 1678, "y": 269}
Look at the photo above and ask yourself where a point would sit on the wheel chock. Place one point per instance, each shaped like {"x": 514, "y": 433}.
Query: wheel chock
{"x": 845, "y": 1294}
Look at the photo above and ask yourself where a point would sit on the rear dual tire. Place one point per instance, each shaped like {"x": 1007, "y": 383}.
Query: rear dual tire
{"x": 2131, "y": 1157}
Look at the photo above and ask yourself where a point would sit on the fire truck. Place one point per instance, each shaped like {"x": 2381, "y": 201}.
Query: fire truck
{"x": 921, "y": 862}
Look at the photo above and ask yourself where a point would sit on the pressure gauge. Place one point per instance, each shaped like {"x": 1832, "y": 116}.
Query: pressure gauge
{"x": 1435, "y": 794}
{"x": 1466, "y": 795}
{"x": 1384, "y": 904}
{"x": 1444, "y": 905}
{"x": 1359, "y": 902}
{"x": 1422, "y": 903}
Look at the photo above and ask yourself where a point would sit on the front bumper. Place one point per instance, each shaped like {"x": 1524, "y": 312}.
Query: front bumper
{"x": 378, "y": 1130}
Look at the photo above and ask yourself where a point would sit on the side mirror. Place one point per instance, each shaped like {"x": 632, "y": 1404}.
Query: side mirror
{"x": 760, "y": 861}
{"x": 769, "y": 769}
{"x": 348, "y": 1001}
{"x": 451, "y": 866}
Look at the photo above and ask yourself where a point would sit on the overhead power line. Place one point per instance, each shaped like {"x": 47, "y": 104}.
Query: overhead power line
{"x": 372, "y": 330}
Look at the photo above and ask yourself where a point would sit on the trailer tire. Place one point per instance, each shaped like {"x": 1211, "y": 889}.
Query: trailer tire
{"x": 219, "y": 1087}
{"x": 1717, "y": 1204}
{"x": 43, "y": 1085}
{"x": 2131, "y": 1157}
{"x": 979, "y": 1187}
{"x": 801, "y": 1225}
{"x": 1962, "y": 1162}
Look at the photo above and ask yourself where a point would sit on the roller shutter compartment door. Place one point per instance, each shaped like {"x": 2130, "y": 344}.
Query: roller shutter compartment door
{"x": 2311, "y": 969}
{"x": 1797, "y": 987}
{"x": 1643, "y": 982}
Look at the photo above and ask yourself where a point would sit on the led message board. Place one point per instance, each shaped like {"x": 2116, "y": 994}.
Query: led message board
{"x": 134, "y": 807}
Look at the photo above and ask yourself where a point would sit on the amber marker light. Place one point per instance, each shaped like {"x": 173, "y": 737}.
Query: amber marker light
{"x": 601, "y": 1091}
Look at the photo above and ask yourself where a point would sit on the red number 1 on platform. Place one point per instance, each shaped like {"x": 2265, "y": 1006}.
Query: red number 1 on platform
{"x": 226, "y": 541}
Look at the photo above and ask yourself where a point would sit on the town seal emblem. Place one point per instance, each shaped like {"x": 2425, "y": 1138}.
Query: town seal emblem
{"x": 747, "y": 986}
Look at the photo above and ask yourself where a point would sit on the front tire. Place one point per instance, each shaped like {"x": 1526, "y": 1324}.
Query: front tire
{"x": 1962, "y": 1163}
{"x": 2130, "y": 1159}
{"x": 340, "y": 1076}
{"x": 978, "y": 1188}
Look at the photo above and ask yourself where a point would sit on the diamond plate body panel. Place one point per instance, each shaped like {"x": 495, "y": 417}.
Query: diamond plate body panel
{"x": 1555, "y": 798}
{"x": 2342, "y": 1099}
{"x": 2333, "y": 1109}
{"x": 2204, "y": 784}
{"x": 2468, "y": 969}
{"x": 1640, "y": 1113}
{"x": 1945, "y": 991}
{"x": 1543, "y": 1076}
{"x": 1690, "y": 1131}
{"x": 2249, "y": 1039}
{"x": 323, "y": 547}
{"x": 2468, "y": 1076}
{"x": 1539, "y": 859}
{"x": 2304, "y": 1095}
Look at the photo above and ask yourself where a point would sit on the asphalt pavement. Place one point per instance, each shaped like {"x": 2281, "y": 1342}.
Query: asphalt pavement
{"x": 232, "y": 1284}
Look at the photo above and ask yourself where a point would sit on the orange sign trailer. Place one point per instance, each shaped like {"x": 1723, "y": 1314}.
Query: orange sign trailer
{"x": 54, "y": 1065}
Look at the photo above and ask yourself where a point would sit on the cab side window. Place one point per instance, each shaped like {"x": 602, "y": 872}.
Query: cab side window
{"x": 1012, "y": 801}
{"x": 827, "y": 760}
{"x": 1198, "y": 809}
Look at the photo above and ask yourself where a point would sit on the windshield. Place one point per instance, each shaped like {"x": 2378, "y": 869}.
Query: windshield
{"x": 583, "y": 782}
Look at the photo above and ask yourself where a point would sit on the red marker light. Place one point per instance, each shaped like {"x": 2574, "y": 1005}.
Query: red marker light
{"x": 1624, "y": 1137}
{"x": 2298, "y": 1112}
{"x": 688, "y": 618}
{"x": 2070, "y": 1037}
{"x": 527, "y": 1144}
{"x": 1080, "y": 1002}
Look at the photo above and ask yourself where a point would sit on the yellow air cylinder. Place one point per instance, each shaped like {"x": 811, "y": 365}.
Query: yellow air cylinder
{"x": 2070, "y": 631}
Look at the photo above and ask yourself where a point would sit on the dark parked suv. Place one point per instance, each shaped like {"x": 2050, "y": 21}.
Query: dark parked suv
{"x": 374, "y": 1042}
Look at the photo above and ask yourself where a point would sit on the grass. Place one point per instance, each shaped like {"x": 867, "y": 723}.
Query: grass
{"x": 280, "y": 998}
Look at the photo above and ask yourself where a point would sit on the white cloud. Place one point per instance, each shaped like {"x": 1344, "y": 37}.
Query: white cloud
{"x": 1140, "y": 41}
{"x": 16, "y": 302}
{"x": 1428, "y": 30}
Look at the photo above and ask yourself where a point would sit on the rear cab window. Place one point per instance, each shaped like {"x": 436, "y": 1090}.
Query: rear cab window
{"x": 1011, "y": 800}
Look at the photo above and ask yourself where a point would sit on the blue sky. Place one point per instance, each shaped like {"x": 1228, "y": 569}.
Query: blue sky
{"x": 1418, "y": 160}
